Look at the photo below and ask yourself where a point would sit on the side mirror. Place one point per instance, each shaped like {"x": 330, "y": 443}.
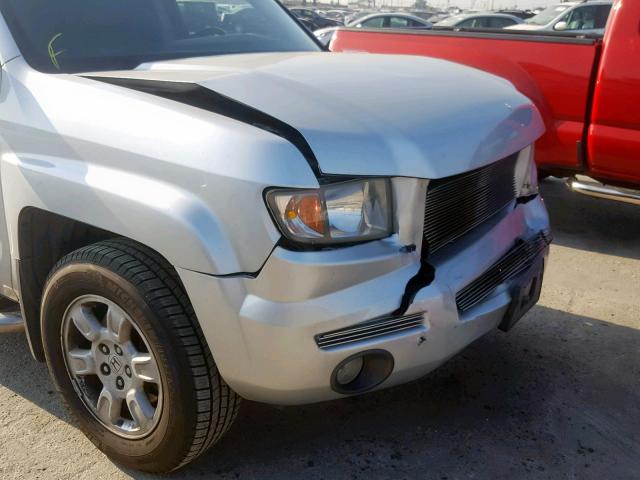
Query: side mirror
{"x": 560, "y": 26}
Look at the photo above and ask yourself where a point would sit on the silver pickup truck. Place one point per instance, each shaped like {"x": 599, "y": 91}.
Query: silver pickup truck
{"x": 200, "y": 204}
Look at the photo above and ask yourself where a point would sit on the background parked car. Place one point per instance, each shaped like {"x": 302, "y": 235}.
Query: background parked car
{"x": 352, "y": 17}
{"x": 391, "y": 20}
{"x": 588, "y": 17}
{"x": 338, "y": 15}
{"x": 307, "y": 24}
{"x": 317, "y": 20}
{"x": 199, "y": 16}
{"x": 377, "y": 20}
{"x": 479, "y": 20}
{"x": 523, "y": 14}
{"x": 438, "y": 17}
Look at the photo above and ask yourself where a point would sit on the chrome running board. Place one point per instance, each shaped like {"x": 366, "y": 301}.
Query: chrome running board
{"x": 593, "y": 188}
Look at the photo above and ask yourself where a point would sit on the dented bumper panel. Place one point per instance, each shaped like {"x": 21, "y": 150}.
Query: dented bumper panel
{"x": 265, "y": 332}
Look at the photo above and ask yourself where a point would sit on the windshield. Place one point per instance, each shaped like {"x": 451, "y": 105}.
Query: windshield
{"x": 90, "y": 35}
{"x": 547, "y": 15}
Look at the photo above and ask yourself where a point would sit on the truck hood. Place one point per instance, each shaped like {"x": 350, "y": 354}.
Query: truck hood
{"x": 365, "y": 114}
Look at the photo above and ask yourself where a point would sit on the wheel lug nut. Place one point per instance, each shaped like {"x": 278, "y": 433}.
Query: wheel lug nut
{"x": 127, "y": 370}
{"x": 119, "y": 383}
{"x": 104, "y": 368}
{"x": 118, "y": 349}
{"x": 104, "y": 349}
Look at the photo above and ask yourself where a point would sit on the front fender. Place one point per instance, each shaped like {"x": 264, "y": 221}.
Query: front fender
{"x": 172, "y": 221}
{"x": 185, "y": 182}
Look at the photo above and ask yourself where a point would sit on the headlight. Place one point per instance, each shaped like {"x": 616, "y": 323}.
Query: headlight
{"x": 527, "y": 173}
{"x": 345, "y": 212}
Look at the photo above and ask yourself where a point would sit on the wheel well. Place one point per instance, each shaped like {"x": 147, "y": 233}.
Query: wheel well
{"x": 43, "y": 239}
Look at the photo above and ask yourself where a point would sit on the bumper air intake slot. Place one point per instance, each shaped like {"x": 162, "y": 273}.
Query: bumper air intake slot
{"x": 516, "y": 261}
{"x": 378, "y": 327}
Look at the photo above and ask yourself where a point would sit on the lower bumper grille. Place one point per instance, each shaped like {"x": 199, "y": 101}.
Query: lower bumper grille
{"x": 516, "y": 261}
{"x": 374, "y": 328}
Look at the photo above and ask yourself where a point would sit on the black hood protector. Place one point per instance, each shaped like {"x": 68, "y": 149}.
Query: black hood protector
{"x": 200, "y": 97}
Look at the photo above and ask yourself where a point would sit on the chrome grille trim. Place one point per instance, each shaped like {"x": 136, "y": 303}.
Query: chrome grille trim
{"x": 371, "y": 329}
{"x": 456, "y": 205}
{"x": 517, "y": 260}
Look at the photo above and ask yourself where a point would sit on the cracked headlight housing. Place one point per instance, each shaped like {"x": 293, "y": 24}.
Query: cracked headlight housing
{"x": 337, "y": 213}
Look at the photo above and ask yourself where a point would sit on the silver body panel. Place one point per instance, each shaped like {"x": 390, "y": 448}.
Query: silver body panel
{"x": 189, "y": 184}
{"x": 165, "y": 174}
{"x": 267, "y": 352}
{"x": 365, "y": 114}
{"x": 162, "y": 173}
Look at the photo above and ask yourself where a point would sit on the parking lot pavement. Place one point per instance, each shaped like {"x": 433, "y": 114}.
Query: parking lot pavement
{"x": 558, "y": 397}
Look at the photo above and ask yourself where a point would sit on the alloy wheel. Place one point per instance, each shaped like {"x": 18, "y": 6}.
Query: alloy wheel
{"x": 112, "y": 367}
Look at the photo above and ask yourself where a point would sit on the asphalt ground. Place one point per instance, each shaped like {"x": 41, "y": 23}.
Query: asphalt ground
{"x": 556, "y": 398}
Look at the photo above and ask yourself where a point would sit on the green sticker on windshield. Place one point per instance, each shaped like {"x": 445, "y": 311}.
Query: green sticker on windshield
{"x": 53, "y": 55}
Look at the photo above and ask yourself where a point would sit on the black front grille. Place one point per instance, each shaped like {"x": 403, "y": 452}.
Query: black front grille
{"x": 455, "y": 205}
{"x": 516, "y": 261}
{"x": 378, "y": 327}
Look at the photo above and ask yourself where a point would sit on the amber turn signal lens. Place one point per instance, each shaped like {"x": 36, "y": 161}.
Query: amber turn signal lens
{"x": 340, "y": 212}
{"x": 308, "y": 210}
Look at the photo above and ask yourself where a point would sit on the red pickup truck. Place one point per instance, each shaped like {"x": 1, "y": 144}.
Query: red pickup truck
{"x": 587, "y": 89}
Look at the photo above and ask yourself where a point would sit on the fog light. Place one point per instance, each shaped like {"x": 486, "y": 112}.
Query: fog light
{"x": 348, "y": 372}
{"x": 361, "y": 372}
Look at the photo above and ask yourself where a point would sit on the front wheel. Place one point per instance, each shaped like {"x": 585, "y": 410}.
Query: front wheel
{"x": 127, "y": 354}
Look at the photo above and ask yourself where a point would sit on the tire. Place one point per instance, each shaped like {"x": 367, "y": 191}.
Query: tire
{"x": 192, "y": 405}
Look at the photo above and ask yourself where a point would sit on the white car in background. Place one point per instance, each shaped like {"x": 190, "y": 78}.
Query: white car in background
{"x": 480, "y": 20}
{"x": 585, "y": 16}
{"x": 391, "y": 20}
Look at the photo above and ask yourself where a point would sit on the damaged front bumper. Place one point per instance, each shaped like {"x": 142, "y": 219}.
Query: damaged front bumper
{"x": 279, "y": 337}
